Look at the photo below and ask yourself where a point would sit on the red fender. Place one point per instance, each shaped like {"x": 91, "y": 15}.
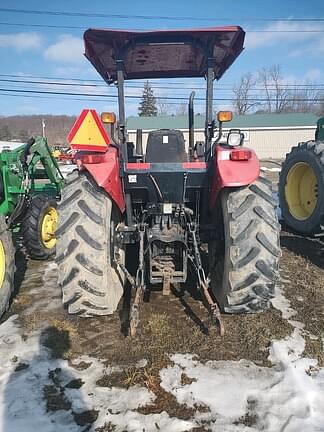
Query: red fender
{"x": 232, "y": 173}
{"x": 104, "y": 168}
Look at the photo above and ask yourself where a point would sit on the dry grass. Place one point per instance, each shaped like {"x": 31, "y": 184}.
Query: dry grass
{"x": 185, "y": 380}
{"x": 305, "y": 290}
{"x": 314, "y": 349}
{"x": 34, "y": 320}
{"x": 107, "y": 427}
{"x": 149, "y": 377}
{"x": 22, "y": 301}
{"x": 64, "y": 325}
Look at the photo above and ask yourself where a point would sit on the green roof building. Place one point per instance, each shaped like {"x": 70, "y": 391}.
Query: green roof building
{"x": 270, "y": 135}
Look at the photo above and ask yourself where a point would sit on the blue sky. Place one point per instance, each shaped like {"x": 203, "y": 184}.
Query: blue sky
{"x": 57, "y": 52}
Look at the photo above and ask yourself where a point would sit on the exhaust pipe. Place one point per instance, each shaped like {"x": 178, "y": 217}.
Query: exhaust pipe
{"x": 139, "y": 141}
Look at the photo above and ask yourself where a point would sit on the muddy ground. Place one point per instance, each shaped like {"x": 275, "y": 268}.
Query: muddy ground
{"x": 174, "y": 324}
{"x": 178, "y": 323}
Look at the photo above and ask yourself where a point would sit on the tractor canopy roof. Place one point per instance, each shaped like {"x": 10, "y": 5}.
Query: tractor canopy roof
{"x": 163, "y": 53}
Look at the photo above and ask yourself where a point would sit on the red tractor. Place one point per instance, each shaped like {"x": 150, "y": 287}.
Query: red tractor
{"x": 168, "y": 200}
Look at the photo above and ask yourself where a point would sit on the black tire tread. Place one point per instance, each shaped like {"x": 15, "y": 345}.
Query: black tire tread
{"x": 315, "y": 224}
{"x": 7, "y": 288}
{"x": 31, "y": 227}
{"x": 252, "y": 249}
{"x": 90, "y": 282}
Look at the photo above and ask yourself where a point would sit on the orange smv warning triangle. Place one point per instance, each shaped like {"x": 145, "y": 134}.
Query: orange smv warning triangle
{"x": 88, "y": 133}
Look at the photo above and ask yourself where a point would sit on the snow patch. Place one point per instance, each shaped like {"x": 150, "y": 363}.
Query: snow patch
{"x": 26, "y": 369}
{"x": 281, "y": 303}
{"x": 288, "y": 396}
{"x": 274, "y": 169}
{"x": 283, "y": 396}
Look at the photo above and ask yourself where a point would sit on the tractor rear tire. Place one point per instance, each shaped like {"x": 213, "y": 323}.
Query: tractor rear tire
{"x": 91, "y": 282}
{"x": 39, "y": 226}
{"x": 244, "y": 261}
{"x": 301, "y": 188}
{"x": 7, "y": 266}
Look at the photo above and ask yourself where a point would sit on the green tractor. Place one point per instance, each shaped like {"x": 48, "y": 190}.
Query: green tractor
{"x": 301, "y": 185}
{"x": 30, "y": 185}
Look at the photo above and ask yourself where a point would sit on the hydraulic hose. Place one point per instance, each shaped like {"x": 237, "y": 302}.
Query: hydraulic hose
{"x": 26, "y": 153}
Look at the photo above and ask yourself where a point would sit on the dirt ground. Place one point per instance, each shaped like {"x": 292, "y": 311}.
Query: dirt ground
{"x": 177, "y": 323}
{"x": 174, "y": 324}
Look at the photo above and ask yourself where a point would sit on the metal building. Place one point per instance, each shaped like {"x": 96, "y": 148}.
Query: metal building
{"x": 270, "y": 135}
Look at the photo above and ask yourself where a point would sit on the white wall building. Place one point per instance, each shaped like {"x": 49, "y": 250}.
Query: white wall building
{"x": 270, "y": 135}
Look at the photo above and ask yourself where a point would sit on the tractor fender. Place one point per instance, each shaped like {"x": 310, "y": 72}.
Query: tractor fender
{"x": 232, "y": 173}
{"x": 104, "y": 168}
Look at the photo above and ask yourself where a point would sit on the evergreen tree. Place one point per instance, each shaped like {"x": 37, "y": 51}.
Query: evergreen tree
{"x": 147, "y": 106}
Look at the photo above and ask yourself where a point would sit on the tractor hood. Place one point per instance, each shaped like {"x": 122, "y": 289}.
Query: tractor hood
{"x": 163, "y": 53}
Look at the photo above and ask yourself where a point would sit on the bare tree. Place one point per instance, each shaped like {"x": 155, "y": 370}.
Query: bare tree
{"x": 305, "y": 99}
{"x": 182, "y": 109}
{"x": 274, "y": 94}
{"x": 274, "y": 90}
{"x": 242, "y": 91}
{"x": 320, "y": 107}
{"x": 164, "y": 108}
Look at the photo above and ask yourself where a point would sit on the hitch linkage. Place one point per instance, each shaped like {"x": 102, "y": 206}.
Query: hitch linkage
{"x": 138, "y": 283}
{"x": 139, "y": 286}
{"x": 203, "y": 282}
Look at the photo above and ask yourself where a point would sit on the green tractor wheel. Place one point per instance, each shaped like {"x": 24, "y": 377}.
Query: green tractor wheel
{"x": 39, "y": 226}
{"x": 301, "y": 188}
{"x": 7, "y": 266}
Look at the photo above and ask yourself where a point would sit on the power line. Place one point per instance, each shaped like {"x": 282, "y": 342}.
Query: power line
{"x": 88, "y": 99}
{"x": 46, "y": 26}
{"x": 152, "y": 17}
{"x": 168, "y": 86}
{"x": 163, "y": 98}
{"x": 52, "y": 83}
{"x": 69, "y": 27}
{"x": 55, "y": 98}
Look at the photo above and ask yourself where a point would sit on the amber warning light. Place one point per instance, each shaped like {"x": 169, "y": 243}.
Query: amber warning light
{"x": 108, "y": 117}
{"x": 224, "y": 116}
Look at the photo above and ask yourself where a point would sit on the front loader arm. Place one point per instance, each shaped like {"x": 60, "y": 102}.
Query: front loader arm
{"x": 41, "y": 152}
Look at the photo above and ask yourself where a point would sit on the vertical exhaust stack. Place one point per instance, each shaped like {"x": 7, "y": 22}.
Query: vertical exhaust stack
{"x": 139, "y": 141}
{"x": 191, "y": 125}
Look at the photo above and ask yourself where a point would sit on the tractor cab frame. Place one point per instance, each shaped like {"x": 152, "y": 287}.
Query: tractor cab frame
{"x": 119, "y": 56}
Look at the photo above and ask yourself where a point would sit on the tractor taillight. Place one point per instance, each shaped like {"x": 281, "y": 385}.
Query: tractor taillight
{"x": 241, "y": 155}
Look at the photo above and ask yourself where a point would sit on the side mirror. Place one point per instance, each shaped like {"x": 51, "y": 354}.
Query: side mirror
{"x": 224, "y": 116}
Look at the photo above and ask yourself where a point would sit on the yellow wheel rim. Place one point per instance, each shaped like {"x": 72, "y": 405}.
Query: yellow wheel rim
{"x": 301, "y": 191}
{"x": 48, "y": 228}
{"x": 2, "y": 264}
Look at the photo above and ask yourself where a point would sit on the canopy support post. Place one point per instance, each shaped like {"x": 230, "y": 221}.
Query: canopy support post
{"x": 209, "y": 124}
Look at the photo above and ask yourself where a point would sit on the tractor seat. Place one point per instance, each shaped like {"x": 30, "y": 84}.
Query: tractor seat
{"x": 166, "y": 146}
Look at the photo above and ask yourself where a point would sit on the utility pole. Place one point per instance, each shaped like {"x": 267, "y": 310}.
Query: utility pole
{"x": 43, "y": 127}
